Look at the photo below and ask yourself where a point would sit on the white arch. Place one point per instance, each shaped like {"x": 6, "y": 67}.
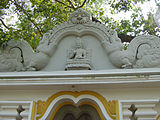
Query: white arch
{"x": 77, "y": 100}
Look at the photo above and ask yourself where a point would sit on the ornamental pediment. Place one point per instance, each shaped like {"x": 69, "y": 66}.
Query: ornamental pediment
{"x": 81, "y": 44}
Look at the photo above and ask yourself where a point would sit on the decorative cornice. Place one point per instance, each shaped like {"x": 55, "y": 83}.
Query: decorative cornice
{"x": 100, "y": 77}
{"x": 84, "y": 73}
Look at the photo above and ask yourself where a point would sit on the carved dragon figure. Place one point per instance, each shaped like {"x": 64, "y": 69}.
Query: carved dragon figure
{"x": 10, "y": 59}
{"x": 19, "y": 56}
{"x": 143, "y": 52}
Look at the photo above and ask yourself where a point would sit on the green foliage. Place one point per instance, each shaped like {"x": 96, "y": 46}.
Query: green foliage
{"x": 36, "y": 17}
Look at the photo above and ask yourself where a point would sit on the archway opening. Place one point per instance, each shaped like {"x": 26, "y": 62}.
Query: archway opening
{"x": 83, "y": 112}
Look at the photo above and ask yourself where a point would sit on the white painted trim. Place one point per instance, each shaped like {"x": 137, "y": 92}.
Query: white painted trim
{"x": 76, "y": 100}
{"x": 80, "y": 81}
{"x": 13, "y": 105}
{"x": 120, "y": 110}
{"x": 30, "y": 111}
{"x": 15, "y": 102}
{"x": 4, "y": 114}
{"x": 90, "y": 77}
{"x": 145, "y": 108}
{"x": 79, "y": 73}
{"x": 152, "y": 101}
{"x": 149, "y": 113}
{"x": 140, "y": 106}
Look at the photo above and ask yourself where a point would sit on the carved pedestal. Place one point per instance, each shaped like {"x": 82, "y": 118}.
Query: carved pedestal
{"x": 78, "y": 64}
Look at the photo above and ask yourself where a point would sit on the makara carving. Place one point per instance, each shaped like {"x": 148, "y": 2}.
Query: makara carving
{"x": 143, "y": 51}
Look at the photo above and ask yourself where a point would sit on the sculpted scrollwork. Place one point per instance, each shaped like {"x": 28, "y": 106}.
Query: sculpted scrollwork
{"x": 11, "y": 58}
{"x": 9, "y": 62}
{"x": 143, "y": 51}
{"x": 148, "y": 52}
{"x": 19, "y": 56}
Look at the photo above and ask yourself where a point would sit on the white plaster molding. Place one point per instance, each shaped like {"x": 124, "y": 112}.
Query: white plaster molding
{"x": 30, "y": 110}
{"x": 101, "y": 77}
{"x": 8, "y": 109}
{"x": 78, "y": 58}
{"x": 76, "y": 101}
{"x": 82, "y": 73}
{"x": 80, "y": 16}
{"x": 145, "y": 110}
{"x": 120, "y": 110}
{"x": 19, "y": 56}
{"x": 148, "y": 101}
{"x": 143, "y": 51}
{"x": 47, "y": 46}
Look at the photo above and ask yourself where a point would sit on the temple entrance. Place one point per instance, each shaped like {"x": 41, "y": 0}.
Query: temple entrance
{"x": 84, "y": 112}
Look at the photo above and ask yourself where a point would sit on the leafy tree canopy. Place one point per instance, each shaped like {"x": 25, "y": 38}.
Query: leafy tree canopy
{"x": 30, "y": 19}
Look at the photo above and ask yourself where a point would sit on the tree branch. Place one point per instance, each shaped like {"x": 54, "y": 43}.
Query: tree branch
{"x": 63, "y": 3}
{"x": 95, "y": 19}
{"x": 4, "y": 24}
{"x": 83, "y": 4}
{"x": 71, "y": 4}
{"x": 32, "y": 21}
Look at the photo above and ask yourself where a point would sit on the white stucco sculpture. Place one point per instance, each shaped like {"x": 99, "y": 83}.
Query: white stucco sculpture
{"x": 107, "y": 49}
{"x": 78, "y": 58}
{"x": 80, "y": 16}
{"x": 19, "y": 56}
{"x": 143, "y": 52}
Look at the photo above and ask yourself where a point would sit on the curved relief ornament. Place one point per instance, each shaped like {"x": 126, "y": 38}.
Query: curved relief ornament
{"x": 143, "y": 52}
{"x": 19, "y": 56}
{"x": 80, "y": 16}
{"x": 11, "y": 57}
